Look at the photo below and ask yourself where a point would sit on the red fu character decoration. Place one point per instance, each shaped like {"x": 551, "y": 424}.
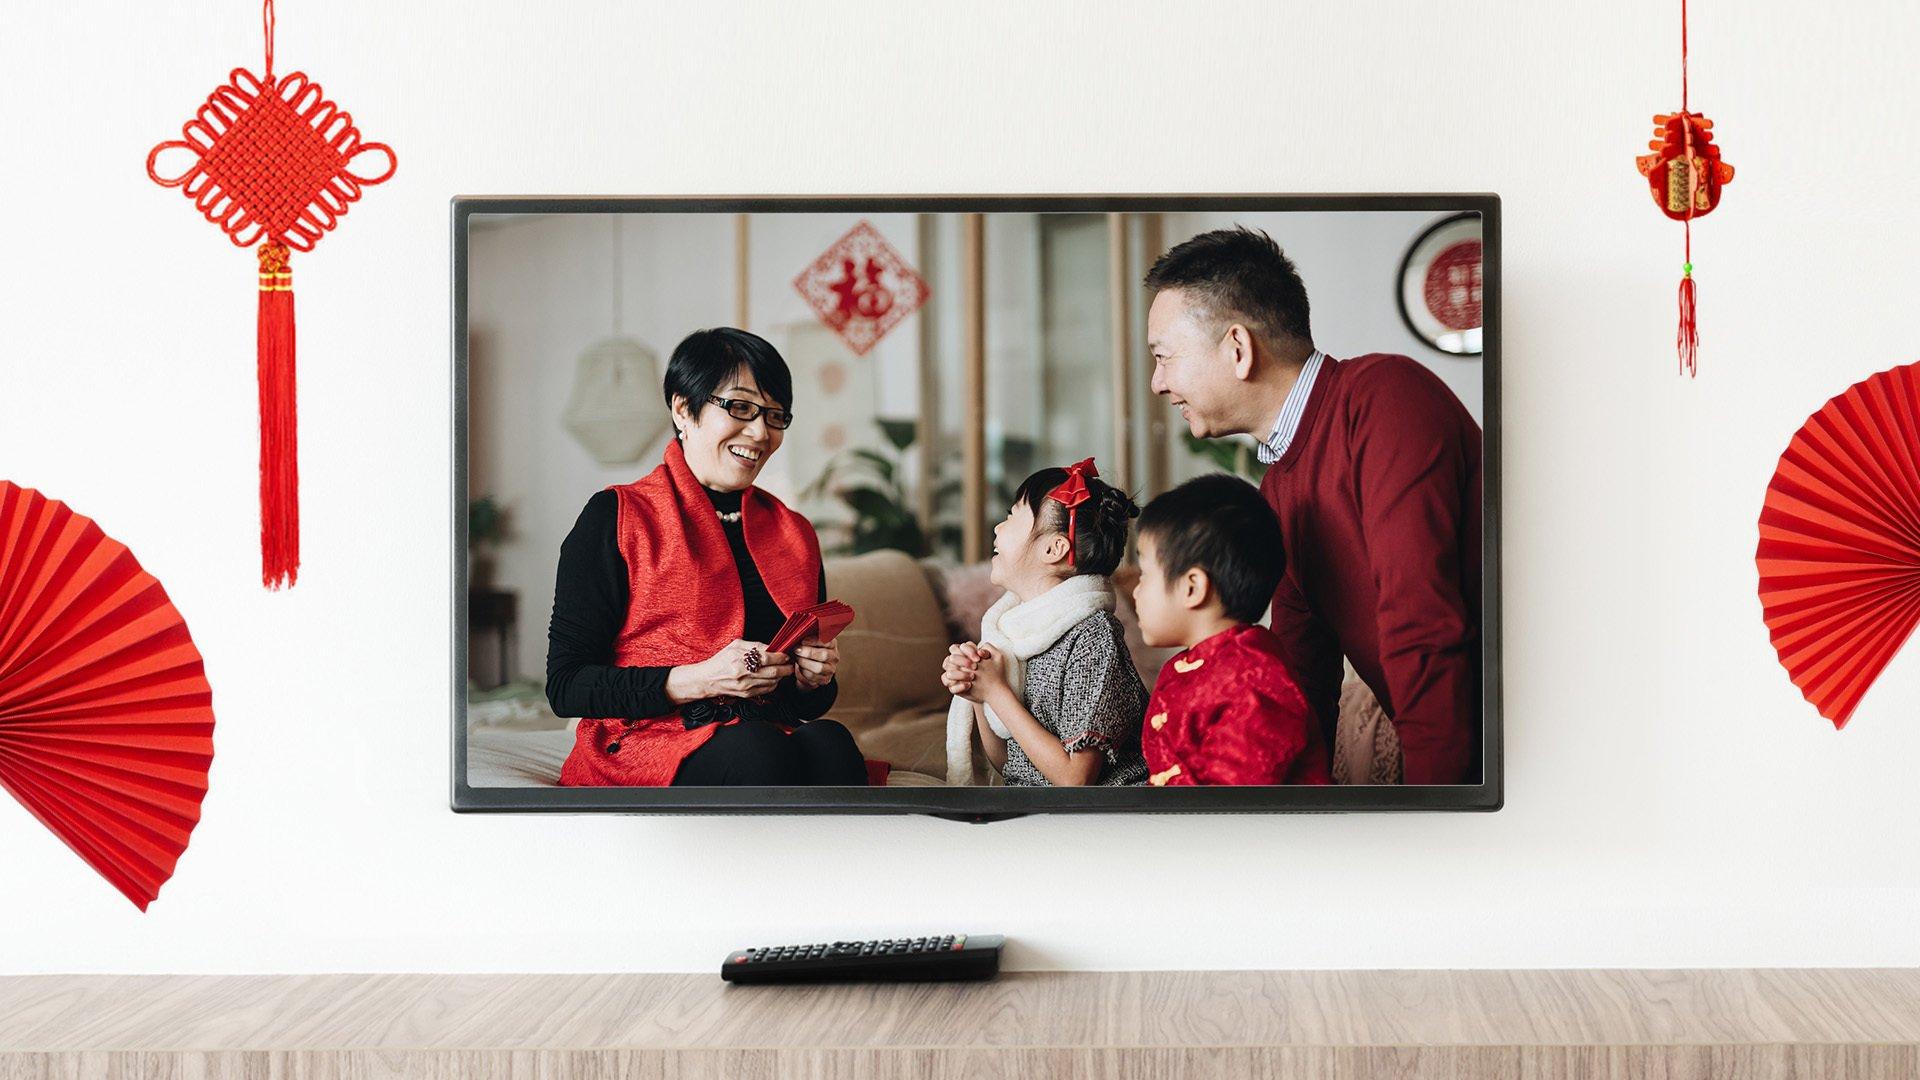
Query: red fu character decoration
{"x": 274, "y": 166}
{"x": 1070, "y": 493}
{"x": 1685, "y": 174}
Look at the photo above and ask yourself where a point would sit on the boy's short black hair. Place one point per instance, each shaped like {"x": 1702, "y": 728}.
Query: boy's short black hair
{"x": 1222, "y": 525}
{"x": 705, "y": 359}
{"x": 1099, "y": 524}
{"x": 1238, "y": 275}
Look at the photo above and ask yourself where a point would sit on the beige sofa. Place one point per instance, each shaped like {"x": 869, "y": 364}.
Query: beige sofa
{"x": 890, "y": 694}
{"x": 908, "y": 613}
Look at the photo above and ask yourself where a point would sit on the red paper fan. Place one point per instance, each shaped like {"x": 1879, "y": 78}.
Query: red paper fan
{"x": 106, "y": 719}
{"x": 1839, "y": 547}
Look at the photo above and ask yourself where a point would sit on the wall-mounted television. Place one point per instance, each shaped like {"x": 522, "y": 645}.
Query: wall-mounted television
{"x": 1090, "y": 503}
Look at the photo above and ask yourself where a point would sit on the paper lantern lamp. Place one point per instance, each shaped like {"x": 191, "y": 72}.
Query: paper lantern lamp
{"x": 1839, "y": 552}
{"x": 106, "y": 718}
{"x": 615, "y": 410}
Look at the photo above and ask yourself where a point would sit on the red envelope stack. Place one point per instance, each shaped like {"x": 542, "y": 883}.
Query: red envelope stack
{"x": 827, "y": 619}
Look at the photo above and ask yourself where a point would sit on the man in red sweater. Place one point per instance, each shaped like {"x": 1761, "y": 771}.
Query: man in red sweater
{"x": 1374, "y": 474}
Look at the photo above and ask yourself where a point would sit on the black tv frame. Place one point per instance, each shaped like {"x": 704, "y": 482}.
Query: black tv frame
{"x": 984, "y": 804}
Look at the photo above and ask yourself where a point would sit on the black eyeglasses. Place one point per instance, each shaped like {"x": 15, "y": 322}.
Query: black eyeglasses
{"x": 748, "y": 411}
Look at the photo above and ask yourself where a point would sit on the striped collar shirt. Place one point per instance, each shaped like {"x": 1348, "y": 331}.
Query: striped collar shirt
{"x": 1291, "y": 411}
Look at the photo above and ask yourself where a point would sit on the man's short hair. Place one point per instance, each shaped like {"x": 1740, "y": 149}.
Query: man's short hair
{"x": 1238, "y": 275}
{"x": 1220, "y": 524}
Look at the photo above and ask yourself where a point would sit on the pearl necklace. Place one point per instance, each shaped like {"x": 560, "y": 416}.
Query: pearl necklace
{"x": 730, "y": 517}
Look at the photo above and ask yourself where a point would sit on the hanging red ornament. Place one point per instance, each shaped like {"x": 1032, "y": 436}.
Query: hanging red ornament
{"x": 273, "y": 165}
{"x": 1685, "y": 174}
{"x": 861, "y": 288}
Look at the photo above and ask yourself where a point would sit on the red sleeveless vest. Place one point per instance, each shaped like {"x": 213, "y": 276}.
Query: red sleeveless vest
{"x": 685, "y": 603}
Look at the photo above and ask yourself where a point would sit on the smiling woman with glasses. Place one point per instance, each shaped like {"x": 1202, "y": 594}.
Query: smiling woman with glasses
{"x": 669, "y": 587}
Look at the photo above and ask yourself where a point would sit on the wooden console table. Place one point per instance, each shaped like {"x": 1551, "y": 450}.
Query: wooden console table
{"x": 1462, "y": 1025}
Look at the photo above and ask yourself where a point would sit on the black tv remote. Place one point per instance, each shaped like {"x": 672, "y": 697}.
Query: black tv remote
{"x": 927, "y": 959}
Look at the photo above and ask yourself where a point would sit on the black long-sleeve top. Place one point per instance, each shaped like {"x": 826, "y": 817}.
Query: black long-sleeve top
{"x": 590, "y": 598}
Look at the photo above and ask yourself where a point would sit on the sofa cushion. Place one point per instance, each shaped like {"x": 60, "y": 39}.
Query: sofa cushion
{"x": 508, "y": 757}
{"x": 890, "y": 693}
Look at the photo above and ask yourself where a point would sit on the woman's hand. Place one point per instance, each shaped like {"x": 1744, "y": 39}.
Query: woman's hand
{"x": 727, "y": 674}
{"x": 814, "y": 664}
{"x": 957, "y": 671}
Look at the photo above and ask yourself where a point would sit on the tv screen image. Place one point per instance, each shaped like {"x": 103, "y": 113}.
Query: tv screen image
{"x": 976, "y": 506}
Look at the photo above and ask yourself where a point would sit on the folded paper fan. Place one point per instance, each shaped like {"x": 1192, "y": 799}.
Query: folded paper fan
{"x": 1839, "y": 551}
{"x": 106, "y": 718}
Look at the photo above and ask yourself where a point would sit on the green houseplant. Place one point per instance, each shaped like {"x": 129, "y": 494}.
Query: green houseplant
{"x": 486, "y": 529}
{"x": 869, "y": 483}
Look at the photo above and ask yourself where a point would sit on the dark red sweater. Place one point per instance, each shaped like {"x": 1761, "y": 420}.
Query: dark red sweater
{"x": 1378, "y": 498}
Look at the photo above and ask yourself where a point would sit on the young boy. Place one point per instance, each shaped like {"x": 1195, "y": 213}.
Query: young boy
{"x": 1226, "y": 710}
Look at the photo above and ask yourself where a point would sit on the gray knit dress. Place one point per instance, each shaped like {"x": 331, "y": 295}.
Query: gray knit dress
{"x": 1084, "y": 689}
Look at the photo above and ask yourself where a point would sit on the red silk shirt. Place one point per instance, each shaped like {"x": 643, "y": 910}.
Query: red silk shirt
{"x": 1226, "y": 711}
{"x": 686, "y": 604}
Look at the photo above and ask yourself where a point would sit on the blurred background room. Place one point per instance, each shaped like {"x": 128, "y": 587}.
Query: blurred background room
{"x": 938, "y": 359}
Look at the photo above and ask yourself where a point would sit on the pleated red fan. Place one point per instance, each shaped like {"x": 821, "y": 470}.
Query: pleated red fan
{"x": 106, "y": 718}
{"x": 1839, "y": 551}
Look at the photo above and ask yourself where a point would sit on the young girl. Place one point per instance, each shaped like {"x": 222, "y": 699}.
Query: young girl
{"x": 1050, "y": 685}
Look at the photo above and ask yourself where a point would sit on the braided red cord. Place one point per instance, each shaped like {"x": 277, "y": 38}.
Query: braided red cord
{"x": 1687, "y": 337}
{"x": 273, "y": 160}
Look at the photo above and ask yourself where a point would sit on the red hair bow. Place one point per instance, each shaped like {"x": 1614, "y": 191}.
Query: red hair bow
{"x": 1071, "y": 493}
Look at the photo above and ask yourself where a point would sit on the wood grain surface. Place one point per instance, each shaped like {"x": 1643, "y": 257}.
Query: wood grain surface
{"x": 1333, "y": 1024}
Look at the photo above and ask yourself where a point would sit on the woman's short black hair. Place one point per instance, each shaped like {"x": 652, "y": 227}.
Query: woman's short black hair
{"x": 706, "y": 359}
{"x": 1220, "y": 524}
{"x": 1099, "y": 524}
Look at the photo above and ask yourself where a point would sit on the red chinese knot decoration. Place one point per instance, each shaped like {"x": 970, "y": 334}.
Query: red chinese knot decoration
{"x": 861, "y": 288}
{"x": 1685, "y": 175}
{"x": 273, "y": 165}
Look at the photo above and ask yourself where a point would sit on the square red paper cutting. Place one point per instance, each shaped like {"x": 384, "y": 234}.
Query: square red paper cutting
{"x": 861, "y": 287}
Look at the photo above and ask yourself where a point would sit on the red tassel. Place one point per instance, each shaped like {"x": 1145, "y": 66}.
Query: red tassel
{"x": 279, "y": 427}
{"x": 1688, "y": 339}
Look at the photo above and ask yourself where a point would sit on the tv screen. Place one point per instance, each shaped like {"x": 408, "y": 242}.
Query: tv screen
{"x": 976, "y": 506}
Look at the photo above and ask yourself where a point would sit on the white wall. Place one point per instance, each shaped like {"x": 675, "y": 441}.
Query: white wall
{"x": 1671, "y": 800}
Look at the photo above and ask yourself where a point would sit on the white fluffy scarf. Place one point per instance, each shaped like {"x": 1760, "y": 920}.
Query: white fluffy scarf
{"x": 1018, "y": 632}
